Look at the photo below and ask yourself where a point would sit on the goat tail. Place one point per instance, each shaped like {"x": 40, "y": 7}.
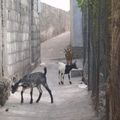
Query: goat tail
{"x": 45, "y": 70}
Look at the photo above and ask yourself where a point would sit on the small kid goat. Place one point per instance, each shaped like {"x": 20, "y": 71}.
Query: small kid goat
{"x": 30, "y": 81}
{"x": 65, "y": 69}
{"x": 68, "y": 56}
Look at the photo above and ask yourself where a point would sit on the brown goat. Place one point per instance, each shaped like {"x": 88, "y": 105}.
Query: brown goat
{"x": 68, "y": 56}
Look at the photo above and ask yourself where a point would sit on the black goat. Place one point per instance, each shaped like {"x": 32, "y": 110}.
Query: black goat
{"x": 30, "y": 81}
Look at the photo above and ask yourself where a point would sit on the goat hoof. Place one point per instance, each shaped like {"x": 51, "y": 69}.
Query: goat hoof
{"x": 70, "y": 82}
{"x": 51, "y": 102}
{"x": 59, "y": 83}
{"x": 21, "y": 102}
{"x": 31, "y": 102}
{"x": 62, "y": 82}
{"x": 37, "y": 101}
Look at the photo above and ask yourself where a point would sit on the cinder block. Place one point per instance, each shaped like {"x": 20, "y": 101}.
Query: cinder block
{"x": 8, "y": 37}
{"x": 17, "y": 31}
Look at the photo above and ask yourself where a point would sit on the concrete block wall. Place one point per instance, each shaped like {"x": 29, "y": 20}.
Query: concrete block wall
{"x": 17, "y": 42}
{"x": 53, "y": 21}
{"x": 35, "y": 38}
{"x": 18, "y": 39}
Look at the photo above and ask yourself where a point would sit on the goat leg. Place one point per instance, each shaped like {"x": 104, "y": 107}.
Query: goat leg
{"x": 22, "y": 99}
{"x": 62, "y": 76}
{"x": 40, "y": 94}
{"x": 69, "y": 79}
{"x": 31, "y": 93}
{"x": 49, "y": 91}
{"x": 62, "y": 82}
{"x": 59, "y": 76}
{"x": 59, "y": 83}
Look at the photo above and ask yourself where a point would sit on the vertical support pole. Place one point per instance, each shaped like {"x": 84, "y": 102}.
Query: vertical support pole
{"x": 2, "y": 37}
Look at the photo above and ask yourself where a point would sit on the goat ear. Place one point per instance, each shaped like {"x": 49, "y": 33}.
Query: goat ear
{"x": 12, "y": 86}
{"x": 14, "y": 78}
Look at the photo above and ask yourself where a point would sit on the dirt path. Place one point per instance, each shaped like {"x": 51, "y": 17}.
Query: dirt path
{"x": 71, "y": 102}
{"x": 54, "y": 48}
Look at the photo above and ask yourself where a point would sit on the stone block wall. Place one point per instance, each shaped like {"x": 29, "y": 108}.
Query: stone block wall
{"x": 17, "y": 37}
{"x": 35, "y": 37}
{"x": 53, "y": 21}
{"x": 19, "y": 41}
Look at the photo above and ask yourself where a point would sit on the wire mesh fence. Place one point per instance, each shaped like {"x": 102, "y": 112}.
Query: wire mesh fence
{"x": 96, "y": 31}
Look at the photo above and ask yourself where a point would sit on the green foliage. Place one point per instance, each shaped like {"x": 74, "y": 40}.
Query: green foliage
{"x": 82, "y": 3}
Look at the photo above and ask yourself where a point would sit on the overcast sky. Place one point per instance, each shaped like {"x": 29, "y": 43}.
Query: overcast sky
{"x": 62, "y": 4}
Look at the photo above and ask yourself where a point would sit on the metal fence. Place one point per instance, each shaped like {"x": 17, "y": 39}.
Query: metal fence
{"x": 96, "y": 50}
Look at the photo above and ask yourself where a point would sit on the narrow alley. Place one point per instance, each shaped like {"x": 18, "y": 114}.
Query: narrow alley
{"x": 71, "y": 102}
{"x": 66, "y": 52}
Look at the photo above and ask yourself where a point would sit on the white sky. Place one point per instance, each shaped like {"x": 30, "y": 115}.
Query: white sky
{"x": 62, "y": 4}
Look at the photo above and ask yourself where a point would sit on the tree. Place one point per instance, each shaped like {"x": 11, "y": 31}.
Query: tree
{"x": 114, "y": 81}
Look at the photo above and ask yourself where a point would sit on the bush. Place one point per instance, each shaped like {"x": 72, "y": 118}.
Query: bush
{"x": 4, "y": 90}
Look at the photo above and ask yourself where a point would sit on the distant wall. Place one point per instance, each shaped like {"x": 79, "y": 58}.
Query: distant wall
{"x": 53, "y": 21}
